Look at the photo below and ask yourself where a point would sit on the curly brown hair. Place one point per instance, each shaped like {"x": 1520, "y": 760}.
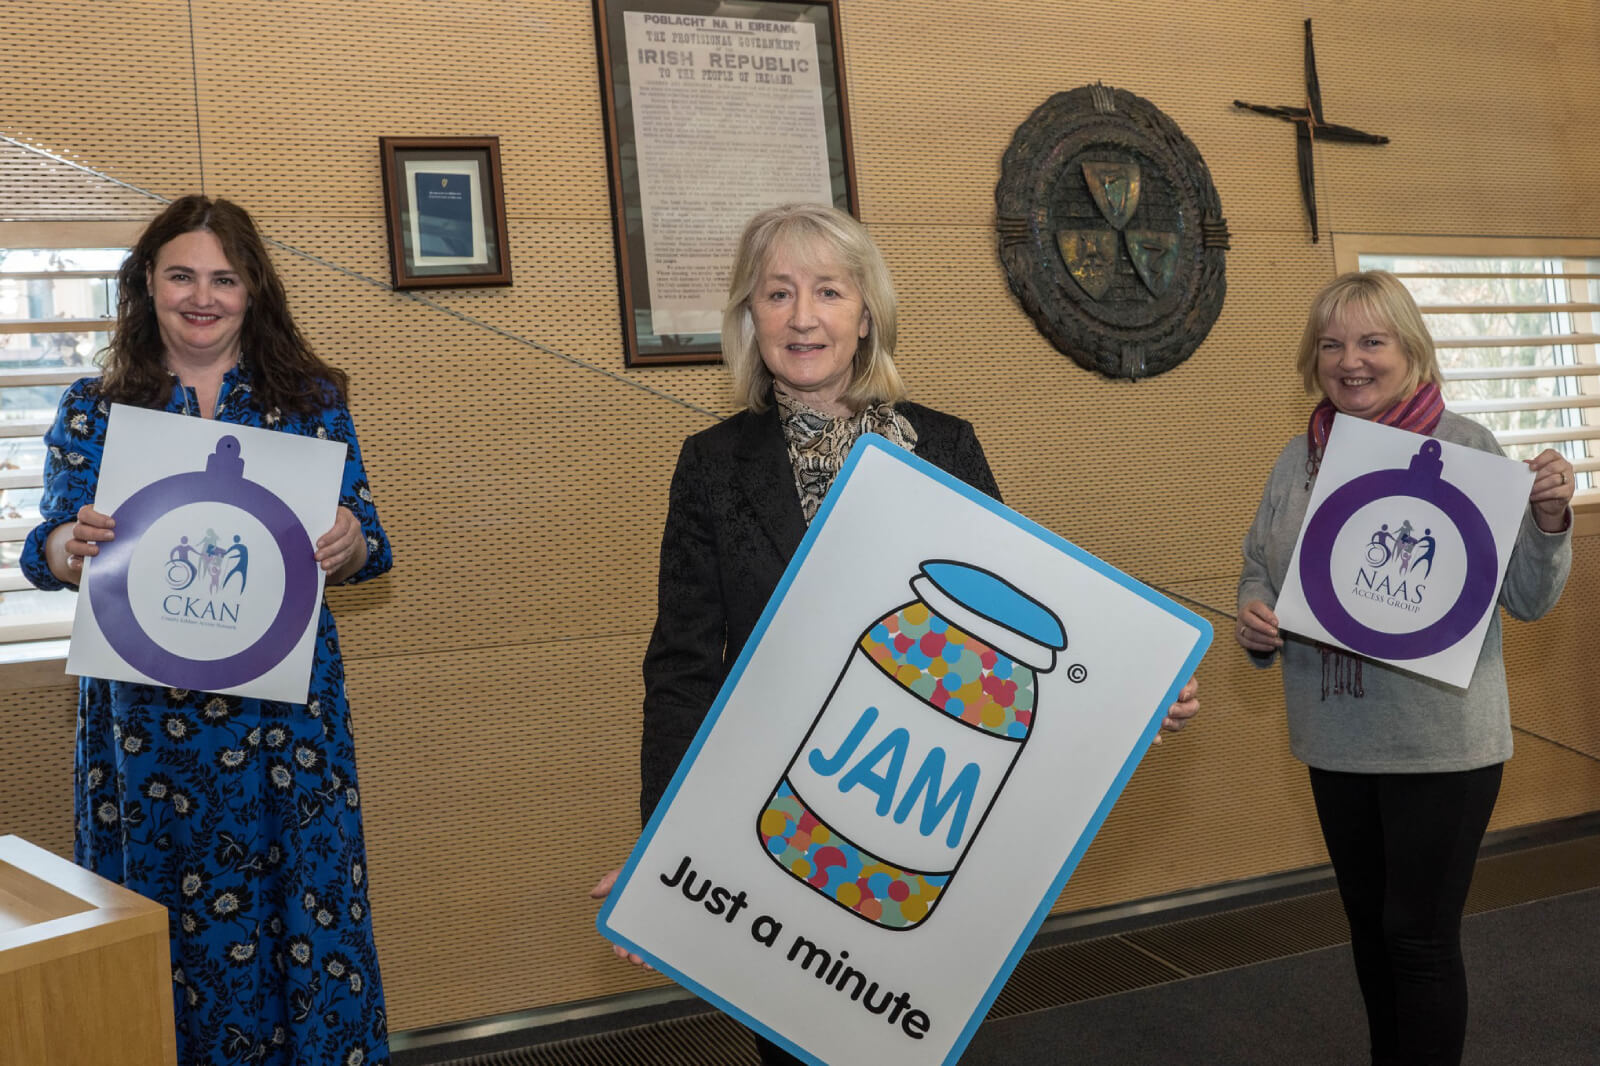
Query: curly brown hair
{"x": 285, "y": 373}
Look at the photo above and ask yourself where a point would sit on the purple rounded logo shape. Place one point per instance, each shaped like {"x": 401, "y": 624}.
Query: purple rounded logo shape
{"x": 222, "y": 481}
{"x": 1421, "y": 480}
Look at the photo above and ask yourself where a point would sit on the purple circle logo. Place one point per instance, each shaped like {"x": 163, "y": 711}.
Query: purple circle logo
{"x": 1422, "y": 480}
{"x": 222, "y": 481}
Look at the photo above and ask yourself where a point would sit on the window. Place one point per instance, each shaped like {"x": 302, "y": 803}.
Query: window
{"x": 57, "y": 306}
{"x": 1516, "y": 324}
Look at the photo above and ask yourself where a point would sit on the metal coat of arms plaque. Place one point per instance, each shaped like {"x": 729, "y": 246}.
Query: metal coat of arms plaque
{"x": 1111, "y": 232}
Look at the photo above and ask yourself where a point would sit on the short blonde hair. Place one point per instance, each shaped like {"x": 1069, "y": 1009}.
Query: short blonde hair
{"x": 1381, "y": 296}
{"x": 816, "y": 233}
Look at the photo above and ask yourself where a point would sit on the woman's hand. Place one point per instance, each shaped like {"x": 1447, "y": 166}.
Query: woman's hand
{"x": 342, "y": 550}
{"x": 601, "y": 891}
{"x": 1257, "y": 630}
{"x": 71, "y": 542}
{"x": 1179, "y": 713}
{"x": 1552, "y": 490}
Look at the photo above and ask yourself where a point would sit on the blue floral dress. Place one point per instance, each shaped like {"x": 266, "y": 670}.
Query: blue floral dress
{"x": 242, "y": 816}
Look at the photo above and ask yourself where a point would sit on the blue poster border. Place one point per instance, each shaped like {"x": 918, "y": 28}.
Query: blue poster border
{"x": 868, "y": 443}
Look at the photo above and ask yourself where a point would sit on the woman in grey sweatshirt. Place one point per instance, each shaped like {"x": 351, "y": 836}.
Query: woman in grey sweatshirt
{"x": 1404, "y": 770}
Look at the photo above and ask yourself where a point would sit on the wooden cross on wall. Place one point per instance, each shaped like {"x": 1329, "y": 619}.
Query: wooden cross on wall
{"x": 1310, "y": 125}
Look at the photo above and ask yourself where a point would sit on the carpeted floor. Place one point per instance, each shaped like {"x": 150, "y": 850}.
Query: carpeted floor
{"x": 1267, "y": 989}
{"x": 1535, "y": 978}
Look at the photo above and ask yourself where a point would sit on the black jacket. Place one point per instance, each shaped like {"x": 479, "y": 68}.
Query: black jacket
{"x": 733, "y": 524}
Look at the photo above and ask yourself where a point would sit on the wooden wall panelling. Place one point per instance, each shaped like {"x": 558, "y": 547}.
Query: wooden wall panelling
{"x": 1480, "y": 106}
{"x": 1550, "y": 664}
{"x": 108, "y": 86}
{"x": 932, "y": 121}
{"x": 1545, "y": 781}
{"x": 499, "y": 784}
{"x": 36, "y": 729}
{"x": 35, "y": 186}
{"x": 341, "y": 75}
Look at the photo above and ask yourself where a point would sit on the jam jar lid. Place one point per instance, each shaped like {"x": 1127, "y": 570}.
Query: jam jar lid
{"x": 994, "y": 598}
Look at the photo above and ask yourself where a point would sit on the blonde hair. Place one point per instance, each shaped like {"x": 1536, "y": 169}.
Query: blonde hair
{"x": 1381, "y": 297}
{"x": 816, "y": 233}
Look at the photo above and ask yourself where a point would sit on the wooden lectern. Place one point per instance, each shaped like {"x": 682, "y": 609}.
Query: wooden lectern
{"x": 85, "y": 977}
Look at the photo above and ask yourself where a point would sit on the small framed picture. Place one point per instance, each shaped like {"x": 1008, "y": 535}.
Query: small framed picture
{"x": 446, "y": 211}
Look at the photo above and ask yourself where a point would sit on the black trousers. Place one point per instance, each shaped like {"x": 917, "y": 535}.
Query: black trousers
{"x": 1403, "y": 848}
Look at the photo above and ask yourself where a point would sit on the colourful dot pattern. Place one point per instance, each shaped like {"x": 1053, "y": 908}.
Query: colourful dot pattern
{"x": 879, "y": 892}
{"x": 953, "y": 670}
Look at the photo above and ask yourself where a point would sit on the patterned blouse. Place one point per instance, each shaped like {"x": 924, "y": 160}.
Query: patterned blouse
{"x": 819, "y": 443}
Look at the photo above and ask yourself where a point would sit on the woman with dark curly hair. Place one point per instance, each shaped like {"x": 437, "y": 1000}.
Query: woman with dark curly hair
{"x": 241, "y": 816}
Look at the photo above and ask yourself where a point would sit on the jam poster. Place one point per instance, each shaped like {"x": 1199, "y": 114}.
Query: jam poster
{"x": 1404, "y": 546}
{"x": 928, "y": 725}
{"x": 210, "y": 582}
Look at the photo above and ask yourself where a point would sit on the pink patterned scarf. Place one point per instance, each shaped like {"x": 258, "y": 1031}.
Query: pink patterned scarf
{"x": 1418, "y": 414}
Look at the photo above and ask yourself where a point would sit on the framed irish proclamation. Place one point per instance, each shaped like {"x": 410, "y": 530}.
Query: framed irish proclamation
{"x": 712, "y": 114}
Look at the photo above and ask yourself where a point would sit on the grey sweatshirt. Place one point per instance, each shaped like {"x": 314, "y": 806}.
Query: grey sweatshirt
{"x": 1400, "y": 722}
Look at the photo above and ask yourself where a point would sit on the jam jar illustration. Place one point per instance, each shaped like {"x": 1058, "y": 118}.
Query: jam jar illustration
{"x": 899, "y": 769}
